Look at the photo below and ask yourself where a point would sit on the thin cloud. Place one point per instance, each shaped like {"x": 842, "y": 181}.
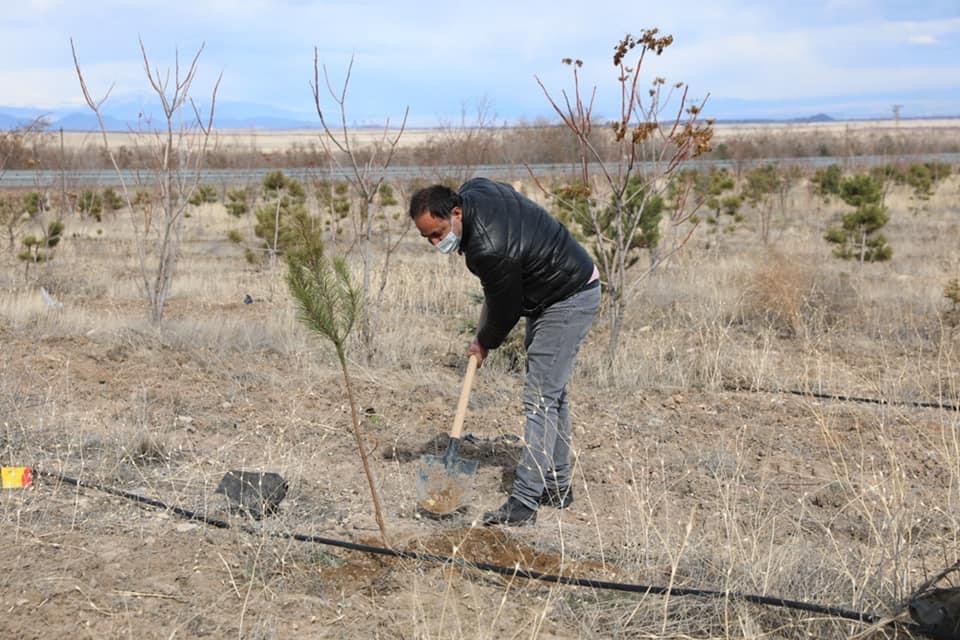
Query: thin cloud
{"x": 445, "y": 54}
{"x": 40, "y": 87}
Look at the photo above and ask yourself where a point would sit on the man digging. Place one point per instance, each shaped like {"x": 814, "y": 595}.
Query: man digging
{"x": 531, "y": 266}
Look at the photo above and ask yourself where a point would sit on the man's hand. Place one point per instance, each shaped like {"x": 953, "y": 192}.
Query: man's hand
{"x": 476, "y": 349}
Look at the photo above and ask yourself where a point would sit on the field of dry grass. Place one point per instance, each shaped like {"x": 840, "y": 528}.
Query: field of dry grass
{"x": 267, "y": 141}
{"x": 707, "y": 462}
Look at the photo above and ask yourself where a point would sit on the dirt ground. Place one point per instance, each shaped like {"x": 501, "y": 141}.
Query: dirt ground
{"x": 840, "y": 503}
{"x": 83, "y": 563}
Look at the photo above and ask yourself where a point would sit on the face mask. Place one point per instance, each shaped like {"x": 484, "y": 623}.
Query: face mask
{"x": 449, "y": 244}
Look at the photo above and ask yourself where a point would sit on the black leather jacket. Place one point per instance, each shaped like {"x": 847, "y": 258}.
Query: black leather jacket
{"x": 526, "y": 260}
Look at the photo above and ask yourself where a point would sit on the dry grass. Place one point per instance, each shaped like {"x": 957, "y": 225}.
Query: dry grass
{"x": 680, "y": 479}
{"x": 281, "y": 141}
{"x": 790, "y": 296}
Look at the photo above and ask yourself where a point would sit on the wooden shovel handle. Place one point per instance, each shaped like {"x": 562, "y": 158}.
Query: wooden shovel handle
{"x": 464, "y": 398}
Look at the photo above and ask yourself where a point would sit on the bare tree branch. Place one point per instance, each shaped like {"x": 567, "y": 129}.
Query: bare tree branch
{"x": 366, "y": 176}
{"x": 642, "y": 164}
{"x": 180, "y": 150}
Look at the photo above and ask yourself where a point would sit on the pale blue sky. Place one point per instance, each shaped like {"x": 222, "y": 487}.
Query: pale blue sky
{"x": 849, "y": 58}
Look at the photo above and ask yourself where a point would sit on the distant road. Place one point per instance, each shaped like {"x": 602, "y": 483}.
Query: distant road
{"x": 109, "y": 178}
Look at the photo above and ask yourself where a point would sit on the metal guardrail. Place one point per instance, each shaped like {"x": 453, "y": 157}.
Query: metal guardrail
{"x": 109, "y": 177}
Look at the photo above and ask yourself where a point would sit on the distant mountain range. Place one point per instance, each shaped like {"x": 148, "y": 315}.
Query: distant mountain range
{"x": 124, "y": 116}
{"x": 79, "y": 121}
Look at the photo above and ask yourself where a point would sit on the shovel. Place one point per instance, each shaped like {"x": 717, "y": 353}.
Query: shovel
{"x": 442, "y": 481}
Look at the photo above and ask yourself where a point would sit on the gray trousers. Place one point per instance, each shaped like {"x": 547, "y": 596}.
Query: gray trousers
{"x": 552, "y": 342}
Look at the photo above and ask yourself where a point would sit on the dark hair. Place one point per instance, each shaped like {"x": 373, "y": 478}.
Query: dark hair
{"x": 437, "y": 200}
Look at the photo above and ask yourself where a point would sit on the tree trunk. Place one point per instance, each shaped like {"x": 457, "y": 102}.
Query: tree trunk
{"x": 276, "y": 234}
{"x": 370, "y": 311}
{"x": 167, "y": 267}
{"x": 362, "y": 447}
{"x": 617, "y": 309}
{"x": 167, "y": 247}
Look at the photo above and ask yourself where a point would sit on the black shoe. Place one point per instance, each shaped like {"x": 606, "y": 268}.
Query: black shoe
{"x": 512, "y": 512}
{"x": 558, "y": 498}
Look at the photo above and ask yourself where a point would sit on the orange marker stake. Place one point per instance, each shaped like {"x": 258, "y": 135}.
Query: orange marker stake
{"x": 16, "y": 477}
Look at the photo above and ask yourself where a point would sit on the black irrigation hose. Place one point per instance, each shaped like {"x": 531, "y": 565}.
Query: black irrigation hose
{"x": 844, "y": 398}
{"x": 836, "y": 612}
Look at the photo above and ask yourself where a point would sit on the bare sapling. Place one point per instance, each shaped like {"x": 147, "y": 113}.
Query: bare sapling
{"x": 330, "y": 304}
{"x": 11, "y": 219}
{"x": 175, "y": 151}
{"x": 18, "y": 145}
{"x": 366, "y": 171}
{"x": 17, "y": 151}
{"x": 657, "y": 132}
{"x": 460, "y": 147}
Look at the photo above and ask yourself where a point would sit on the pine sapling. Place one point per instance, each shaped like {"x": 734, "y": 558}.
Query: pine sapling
{"x": 329, "y": 304}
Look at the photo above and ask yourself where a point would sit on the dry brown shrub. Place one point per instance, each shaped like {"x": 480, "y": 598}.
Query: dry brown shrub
{"x": 790, "y": 295}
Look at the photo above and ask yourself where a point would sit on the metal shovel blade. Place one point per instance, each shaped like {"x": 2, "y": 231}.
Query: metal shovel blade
{"x": 443, "y": 481}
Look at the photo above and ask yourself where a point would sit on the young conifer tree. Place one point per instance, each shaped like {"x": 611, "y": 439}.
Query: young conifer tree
{"x": 329, "y": 303}
{"x": 858, "y": 235}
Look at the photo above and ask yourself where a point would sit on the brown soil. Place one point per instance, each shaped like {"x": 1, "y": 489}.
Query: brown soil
{"x": 499, "y": 547}
{"x": 87, "y": 564}
{"x": 441, "y": 491}
{"x": 683, "y": 475}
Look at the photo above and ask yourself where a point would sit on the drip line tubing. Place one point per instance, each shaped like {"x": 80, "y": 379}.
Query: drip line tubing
{"x": 516, "y": 571}
{"x": 947, "y": 406}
